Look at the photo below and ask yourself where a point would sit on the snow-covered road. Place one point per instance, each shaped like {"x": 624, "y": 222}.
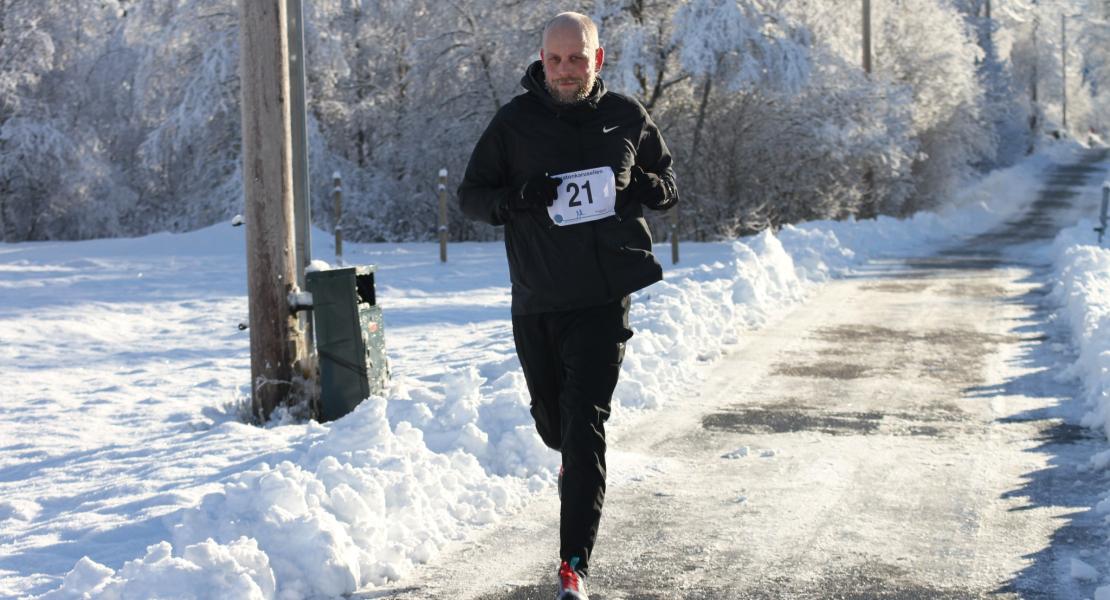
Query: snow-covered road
{"x": 904, "y": 434}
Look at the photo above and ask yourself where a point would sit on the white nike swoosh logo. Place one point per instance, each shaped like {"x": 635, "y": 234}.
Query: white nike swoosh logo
{"x": 608, "y": 129}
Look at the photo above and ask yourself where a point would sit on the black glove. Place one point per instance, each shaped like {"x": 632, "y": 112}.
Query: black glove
{"x": 646, "y": 188}
{"x": 538, "y": 192}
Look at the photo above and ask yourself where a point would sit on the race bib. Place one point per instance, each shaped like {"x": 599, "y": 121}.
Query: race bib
{"x": 584, "y": 196}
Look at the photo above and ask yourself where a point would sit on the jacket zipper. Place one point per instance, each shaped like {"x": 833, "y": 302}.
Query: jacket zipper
{"x": 593, "y": 224}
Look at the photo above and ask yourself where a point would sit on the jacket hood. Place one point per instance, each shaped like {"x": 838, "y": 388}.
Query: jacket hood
{"x": 533, "y": 82}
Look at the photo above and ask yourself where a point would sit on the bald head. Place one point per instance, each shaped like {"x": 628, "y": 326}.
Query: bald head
{"x": 572, "y": 23}
{"x": 571, "y": 57}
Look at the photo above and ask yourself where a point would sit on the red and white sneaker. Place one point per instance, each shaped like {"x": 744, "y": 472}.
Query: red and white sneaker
{"x": 572, "y": 585}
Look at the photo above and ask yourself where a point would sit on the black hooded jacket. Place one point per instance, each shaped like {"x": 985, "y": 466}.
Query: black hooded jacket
{"x": 556, "y": 268}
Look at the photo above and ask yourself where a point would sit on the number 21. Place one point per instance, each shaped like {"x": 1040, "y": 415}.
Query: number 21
{"x": 573, "y": 188}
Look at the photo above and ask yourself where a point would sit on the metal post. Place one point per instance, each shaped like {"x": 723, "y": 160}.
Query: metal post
{"x": 1102, "y": 217}
{"x": 442, "y": 215}
{"x": 277, "y": 346}
{"x": 337, "y": 195}
{"x": 674, "y": 235}
{"x": 302, "y": 206}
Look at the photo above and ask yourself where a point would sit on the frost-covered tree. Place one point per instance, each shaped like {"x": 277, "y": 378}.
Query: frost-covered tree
{"x": 641, "y": 52}
{"x": 935, "y": 55}
{"x": 402, "y": 89}
{"x": 925, "y": 48}
{"x": 26, "y": 53}
{"x": 183, "y": 128}
{"x": 1037, "y": 33}
{"x": 120, "y": 117}
{"x": 57, "y": 176}
{"x": 465, "y": 71}
{"x": 1096, "y": 68}
{"x": 1007, "y": 109}
{"x": 737, "y": 48}
{"x": 696, "y": 66}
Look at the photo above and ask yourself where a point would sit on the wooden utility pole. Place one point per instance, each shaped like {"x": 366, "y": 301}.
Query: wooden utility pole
{"x": 277, "y": 348}
{"x": 869, "y": 209}
{"x": 867, "y": 36}
{"x": 1034, "y": 122}
{"x": 1064, "y": 68}
{"x": 990, "y": 31}
{"x": 442, "y": 189}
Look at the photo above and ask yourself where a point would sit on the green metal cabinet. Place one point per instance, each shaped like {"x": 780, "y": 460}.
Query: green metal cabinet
{"x": 350, "y": 339}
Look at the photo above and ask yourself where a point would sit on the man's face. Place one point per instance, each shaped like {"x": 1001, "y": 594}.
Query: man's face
{"x": 570, "y": 65}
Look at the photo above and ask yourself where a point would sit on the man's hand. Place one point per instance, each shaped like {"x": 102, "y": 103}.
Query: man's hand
{"x": 646, "y": 188}
{"x": 540, "y": 191}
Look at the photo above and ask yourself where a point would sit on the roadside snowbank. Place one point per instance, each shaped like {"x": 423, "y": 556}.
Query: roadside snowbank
{"x": 1082, "y": 291}
{"x": 357, "y": 502}
{"x": 827, "y": 247}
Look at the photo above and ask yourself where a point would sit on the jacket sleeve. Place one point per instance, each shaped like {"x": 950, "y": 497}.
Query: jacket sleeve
{"x": 486, "y": 186}
{"x": 653, "y": 156}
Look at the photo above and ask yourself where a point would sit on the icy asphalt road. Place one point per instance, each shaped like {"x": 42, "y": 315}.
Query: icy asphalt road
{"x": 901, "y": 435}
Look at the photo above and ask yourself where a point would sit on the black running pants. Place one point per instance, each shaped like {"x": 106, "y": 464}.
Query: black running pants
{"x": 571, "y": 360}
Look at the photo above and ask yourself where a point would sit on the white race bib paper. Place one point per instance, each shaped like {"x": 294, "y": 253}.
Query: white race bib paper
{"x": 584, "y": 196}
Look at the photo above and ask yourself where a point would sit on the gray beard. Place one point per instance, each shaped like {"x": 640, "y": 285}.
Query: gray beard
{"x": 573, "y": 97}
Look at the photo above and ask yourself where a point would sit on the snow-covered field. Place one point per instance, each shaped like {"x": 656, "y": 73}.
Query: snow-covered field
{"x": 125, "y": 472}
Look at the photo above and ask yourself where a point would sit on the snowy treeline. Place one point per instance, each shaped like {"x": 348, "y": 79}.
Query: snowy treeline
{"x": 121, "y": 117}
